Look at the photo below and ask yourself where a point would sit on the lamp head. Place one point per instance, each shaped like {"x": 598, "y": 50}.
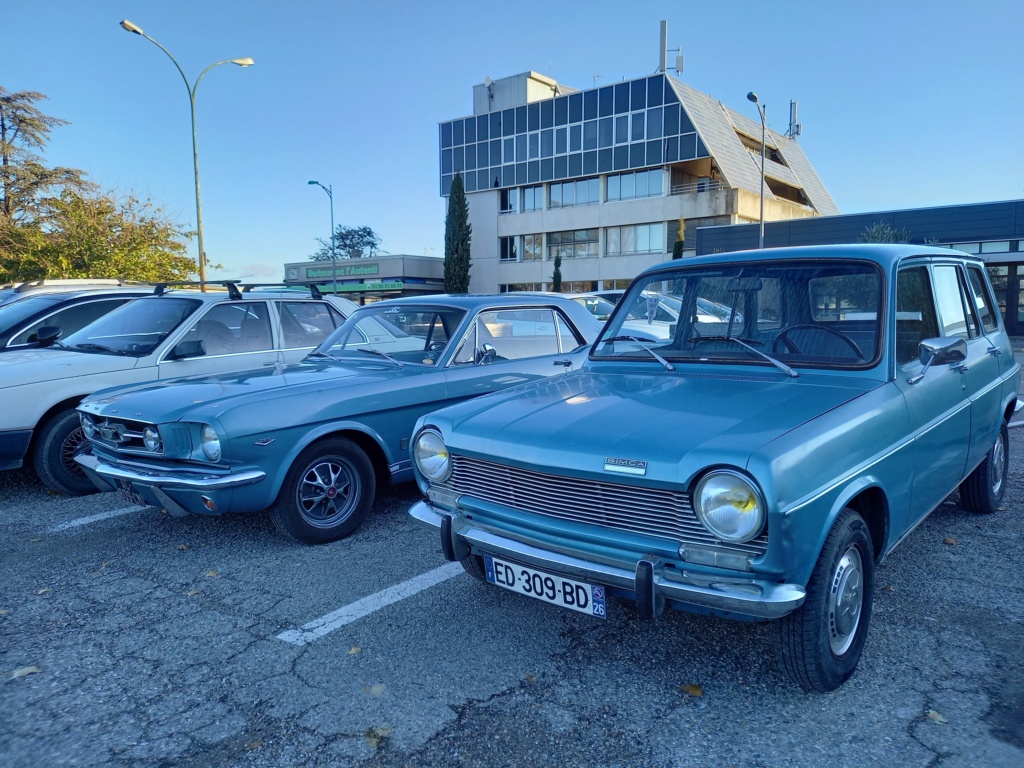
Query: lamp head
{"x": 246, "y": 62}
{"x": 752, "y": 97}
{"x": 312, "y": 182}
{"x": 129, "y": 27}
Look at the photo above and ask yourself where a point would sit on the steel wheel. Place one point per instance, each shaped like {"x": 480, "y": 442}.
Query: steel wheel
{"x": 845, "y": 600}
{"x": 997, "y": 465}
{"x": 982, "y": 491}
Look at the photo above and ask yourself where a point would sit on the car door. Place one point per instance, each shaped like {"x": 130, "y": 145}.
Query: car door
{"x": 302, "y": 325}
{"x": 937, "y": 402}
{"x": 236, "y": 335}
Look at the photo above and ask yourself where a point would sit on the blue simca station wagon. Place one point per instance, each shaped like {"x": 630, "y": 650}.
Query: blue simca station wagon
{"x": 755, "y": 464}
{"x": 311, "y": 441}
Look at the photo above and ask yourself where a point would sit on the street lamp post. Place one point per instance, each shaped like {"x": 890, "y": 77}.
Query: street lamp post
{"x": 246, "y": 62}
{"x": 334, "y": 254}
{"x": 760, "y": 110}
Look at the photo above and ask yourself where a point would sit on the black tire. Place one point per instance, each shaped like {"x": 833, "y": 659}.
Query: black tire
{"x": 982, "y": 491}
{"x": 819, "y": 644}
{"x": 60, "y": 439}
{"x": 474, "y": 566}
{"x": 327, "y": 493}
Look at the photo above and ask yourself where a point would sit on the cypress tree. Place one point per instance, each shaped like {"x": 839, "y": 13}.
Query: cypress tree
{"x": 457, "y": 234}
{"x": 556, "y": 276}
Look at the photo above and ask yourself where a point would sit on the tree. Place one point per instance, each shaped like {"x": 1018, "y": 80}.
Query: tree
{"x": 457, "y": 236}
{"x": 95, "y": 236}
{"x": 677, "y": 247}
{"x": 880, "y": 232}
{"x": 25, "y": 182}
{"x": 350, "y": 243}
{"x": 556, "y": 275}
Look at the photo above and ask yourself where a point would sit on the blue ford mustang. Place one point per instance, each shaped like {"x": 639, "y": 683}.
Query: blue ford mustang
{"x": 756, "y": 463}
{"x": 310, "y": 441}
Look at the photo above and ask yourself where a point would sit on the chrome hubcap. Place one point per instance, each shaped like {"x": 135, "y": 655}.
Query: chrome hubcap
{"x": 998, "y": 464}
{"x": 845, "y": 600}
{"x": 327, "y": 493}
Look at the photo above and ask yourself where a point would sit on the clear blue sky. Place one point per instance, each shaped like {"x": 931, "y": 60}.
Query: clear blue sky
{"x": 904, "y": 103}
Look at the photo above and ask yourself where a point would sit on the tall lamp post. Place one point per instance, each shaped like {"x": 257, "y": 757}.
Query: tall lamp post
{"x": 760, "y": 110}
{"x": 246, "y": 62}
{"x": 334, "y": 254}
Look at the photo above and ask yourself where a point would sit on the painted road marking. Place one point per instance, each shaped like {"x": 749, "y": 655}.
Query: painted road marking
{"x": 94, "y": 518}
{"x": 317, "y": 628}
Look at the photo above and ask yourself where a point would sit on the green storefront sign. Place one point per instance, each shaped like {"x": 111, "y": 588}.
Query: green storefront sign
{"x": 344, "y": 270}
{"x": 396, "y": 285}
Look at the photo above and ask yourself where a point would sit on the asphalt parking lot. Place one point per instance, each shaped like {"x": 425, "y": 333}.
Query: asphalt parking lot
{"x": 131, "y": 638}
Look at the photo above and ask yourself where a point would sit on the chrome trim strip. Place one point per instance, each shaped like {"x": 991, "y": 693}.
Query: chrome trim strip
{"x": 192, "y": 481}
{"x": 748, "y": 597}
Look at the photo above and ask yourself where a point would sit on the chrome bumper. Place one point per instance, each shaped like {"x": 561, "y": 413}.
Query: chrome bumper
{"x": 648, "y": 579}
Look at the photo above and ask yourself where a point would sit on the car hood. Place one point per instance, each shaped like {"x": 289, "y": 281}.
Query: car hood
{"x": 209, "y": 396}
{"x": 36, "y": 366}
{"x": 676, "y": 423}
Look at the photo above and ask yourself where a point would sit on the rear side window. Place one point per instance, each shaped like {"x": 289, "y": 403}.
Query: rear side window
{"x": 915, "y": 313}
{"x": 982, "y": 299}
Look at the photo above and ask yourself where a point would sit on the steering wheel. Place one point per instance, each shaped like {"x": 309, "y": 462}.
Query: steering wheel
{"x": 791, "y": 346}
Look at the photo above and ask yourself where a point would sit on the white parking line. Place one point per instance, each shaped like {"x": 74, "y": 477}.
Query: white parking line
{"x": 94, "y": 518}
{"x": 317, "y": 628}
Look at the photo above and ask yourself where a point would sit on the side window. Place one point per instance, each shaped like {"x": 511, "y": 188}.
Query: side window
{"x": 233, "y": 327}
{"x": 952, "y": 319}
{"x": 69, "y": 320}
{"x": 305, "y": 323}
{"x": 915, "y": 313}
{"x": 982, "y": 299}
{"x": 568, "y": 339}
{"x": 517, "y": 334}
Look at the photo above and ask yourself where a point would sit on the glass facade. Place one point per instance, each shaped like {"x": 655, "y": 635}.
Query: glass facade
{"x": 627, "y": 126}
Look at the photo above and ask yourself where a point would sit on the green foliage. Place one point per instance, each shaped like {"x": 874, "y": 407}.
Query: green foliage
{"x": 349, "y": 243}
{"x": 457, "y": 236}
{"x": 556, "y": 275}
{"x": 880, "y": 232}
{"x": 677, "y": 246}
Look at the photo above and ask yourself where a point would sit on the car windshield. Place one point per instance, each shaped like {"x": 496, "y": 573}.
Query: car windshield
{"x": 135, "y": 328}
{"x": 798, "y": 312}
{"x": 408, "y": 334}
{"x": 14, "y": 312}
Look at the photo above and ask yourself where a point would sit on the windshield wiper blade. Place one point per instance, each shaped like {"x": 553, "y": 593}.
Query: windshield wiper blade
{"x": 318, "y": 353}
{"x": 98, "y": 348}
{"x": 640, "y": 340}
{"x": 744, "y": 343}
{"x": 399, "y": 363}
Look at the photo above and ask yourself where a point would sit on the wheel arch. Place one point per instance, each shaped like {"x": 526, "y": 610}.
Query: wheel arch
{"x": 69, "y": 403}
{"x": 872, "y": 505}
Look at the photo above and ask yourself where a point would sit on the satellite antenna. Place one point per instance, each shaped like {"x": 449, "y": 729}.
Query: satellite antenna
{"x": 795, "y": 128}
{"x": 489, "y": 85}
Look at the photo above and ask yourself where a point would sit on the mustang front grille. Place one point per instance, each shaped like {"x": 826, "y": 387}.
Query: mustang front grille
{"x": 648, "y": 511}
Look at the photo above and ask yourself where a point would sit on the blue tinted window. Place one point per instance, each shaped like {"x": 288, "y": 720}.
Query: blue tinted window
{"x": 481, "y": 179}
{"x": 702, "y": 151}
{"x": 590, "y": 135}
{"x": 636, "y": 155}
{"x": 605, "y": 101}
{"x": 576, "y": 108}
{"x": 604, "y": 160}
{"x": 561, "y": 141}
{"x": 521, "y": 119}
{"x": 508, "y": 176}
{"x": 621, "y": 98}
{"x": 575, "y": 138}
{"x": 589, "y": 162}
{"x": 621, "y": 158}
{"x": 561, "y": 110}
{"x": 458, "y": 159}
{"x": 446, "y": 135}
{"x": 469, "y": 182}
{"x": 604, "y": 132}
{"x": 688, "y": 146}
{"x": 446, "y": 185}
{"x": 508, "y": 122}
{"x": 672, "y": 120}
{"x": 622, "y": 129}
{"x": 458, "y": 135}
{"x": 547, "y": 114}
{"x": 470, "y": 157}
{"x": 446, "y": 161}
{"x": 470, "y": 130}
{"x": 547, "y": 171}
{"x": 671, "y": 149}
{"x": 509, "y": 150}
{"x": 685, "y": 126}
{"x": 521, "y": 177}
{"x": 561, "y": 167}
{"x": 575, "y": 165}
{"x": 521, "y": 147}
{"x": 533, "y": 171}
{"x": 589, "y": 105}
{"x": 638, "y": 94}
{"x": 495, "y": 128}
{"x": 654, "y": 91}
{"x": 654, "y": 120}
{"x": 639, "y": 123}
{"x": 654, "y": 152}
{"x": 481, "y": 128}
{"x": 547, "y": 143}
{"x": 534, "y": 140}
{"x": 495, "y": 152}
{"x": 533, "y": 117}
{"x": 670, "y": 93}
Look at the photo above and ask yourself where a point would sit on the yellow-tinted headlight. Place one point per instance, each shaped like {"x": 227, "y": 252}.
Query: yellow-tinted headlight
{"x": 431, "y": 456}
{"x": 729, "y": 506}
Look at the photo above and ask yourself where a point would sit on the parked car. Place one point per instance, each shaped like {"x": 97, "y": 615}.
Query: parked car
{"x": 22, "y": 319}
{"x": 752, "y": 469}
{"x": 164, "y": 335}
{"x": 311, "y": 442}
{"x": 15, "y": 291}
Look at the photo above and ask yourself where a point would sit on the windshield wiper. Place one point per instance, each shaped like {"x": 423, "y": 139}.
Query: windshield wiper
{"x": 318, "y": 353}
{"x": 399, "y": 363}
{"x": 640, "y": 340}
{"x": 746, "y": 345}
{"x": 98, "y": 348}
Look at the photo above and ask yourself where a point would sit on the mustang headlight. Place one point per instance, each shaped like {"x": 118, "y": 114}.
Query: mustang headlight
{"x": 88, "y": 425}
{"x": 151, "y": 439}
{"x": 210, "y": 442}
{"x": 431, "y": 456}
{"x": 729, "y": 506}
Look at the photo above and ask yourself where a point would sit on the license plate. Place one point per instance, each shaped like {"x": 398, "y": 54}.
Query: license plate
{"x": 566, "y": 593}
{"x": 129, "y": 494}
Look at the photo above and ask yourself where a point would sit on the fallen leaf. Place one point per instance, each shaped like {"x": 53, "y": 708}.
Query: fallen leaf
{"x": 1001, "y": 509}
{"x": 530, "y": 678}
{"x": 935, "y": 717}
{"x": 890, "y": 588}
{"x": 374, "y": 736}
{"x": 692, "y": 689}
{"x": 44, "y": 590}
{"x": 23, "y": 671}
{"x": 212, "y": 574}
{"x": 355, "y": 650}
{"x": 34, "y": 541}
{"x": 192, "y": 592}
{"x": 184, "y": 546}
{"x": 254, "y": 744}
{"x": 5, "y": 611}
{"x": 951, "y": 542}
{"x": 375, "y": 690}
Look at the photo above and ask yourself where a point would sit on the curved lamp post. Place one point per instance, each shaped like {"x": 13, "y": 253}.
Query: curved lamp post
{"x": 334, "y": 255}
{"x": 760, "y": 110}
{"x": 246, "y": 62}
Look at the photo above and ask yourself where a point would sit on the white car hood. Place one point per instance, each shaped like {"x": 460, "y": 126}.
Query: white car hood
{"x": 37, "y": 366}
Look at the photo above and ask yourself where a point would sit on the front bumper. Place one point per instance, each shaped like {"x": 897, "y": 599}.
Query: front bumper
{"x": 191, "y": 488}
{"x": 649, "y": 581}
{"x": 13, "y": 447}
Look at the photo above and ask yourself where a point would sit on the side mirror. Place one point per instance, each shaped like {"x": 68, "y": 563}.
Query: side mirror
{"x": 188, "y": 349}
{"x": 47, "y": 335}
{"x": 485, "y": 353}
{"x": 939, "y": 351}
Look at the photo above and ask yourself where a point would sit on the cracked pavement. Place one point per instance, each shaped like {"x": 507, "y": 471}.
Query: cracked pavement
{"x": 146, "y": 640}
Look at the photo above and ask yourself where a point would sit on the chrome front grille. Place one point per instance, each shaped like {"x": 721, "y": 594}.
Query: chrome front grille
{"x": 120, "y": 434}
{"x": 648, "y": 511}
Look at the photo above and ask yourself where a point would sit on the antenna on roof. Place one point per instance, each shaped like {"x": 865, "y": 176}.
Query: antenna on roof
{"x": 795, "y": 128}
{"x": 664, "y": 51}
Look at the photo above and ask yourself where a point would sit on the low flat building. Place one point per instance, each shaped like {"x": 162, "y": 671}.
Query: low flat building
{"x": 371, "y": 279}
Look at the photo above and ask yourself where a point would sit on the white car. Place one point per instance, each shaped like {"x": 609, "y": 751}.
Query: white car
{"x": 166, "y": 335}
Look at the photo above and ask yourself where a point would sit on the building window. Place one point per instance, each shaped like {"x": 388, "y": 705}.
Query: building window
{"x": 510, "y": 287}
{"x": 570, "y": 193}
{"x": 509, "y": 201}
{"x": 579, "y": 286}
{"x": 533, "y": 247}
{"x": 641, "y": 238}
{"x": 573, "y": 244}
{"x": 533, "y": 198}
{"x": 1000, "y": 246}
{"x": 630, "y": 186}
{"x": 507, "y": 249}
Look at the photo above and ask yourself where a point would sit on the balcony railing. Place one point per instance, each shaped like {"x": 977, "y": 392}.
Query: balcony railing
{"x": 703, "y": 185}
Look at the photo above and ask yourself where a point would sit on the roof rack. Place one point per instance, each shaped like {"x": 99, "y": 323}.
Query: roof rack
{"x": 314, "y": 291}
{"x": 235, "y": 288}
{"x": 40, "y": 282}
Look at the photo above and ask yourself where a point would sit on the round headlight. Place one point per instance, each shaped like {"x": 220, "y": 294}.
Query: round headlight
{"x": 151, "y": 439}
{"x": 729, "y": 506}
{"x": 431, "y": 456}
{"x": 210, "y": 442}
{"x": 88, "y": 425}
